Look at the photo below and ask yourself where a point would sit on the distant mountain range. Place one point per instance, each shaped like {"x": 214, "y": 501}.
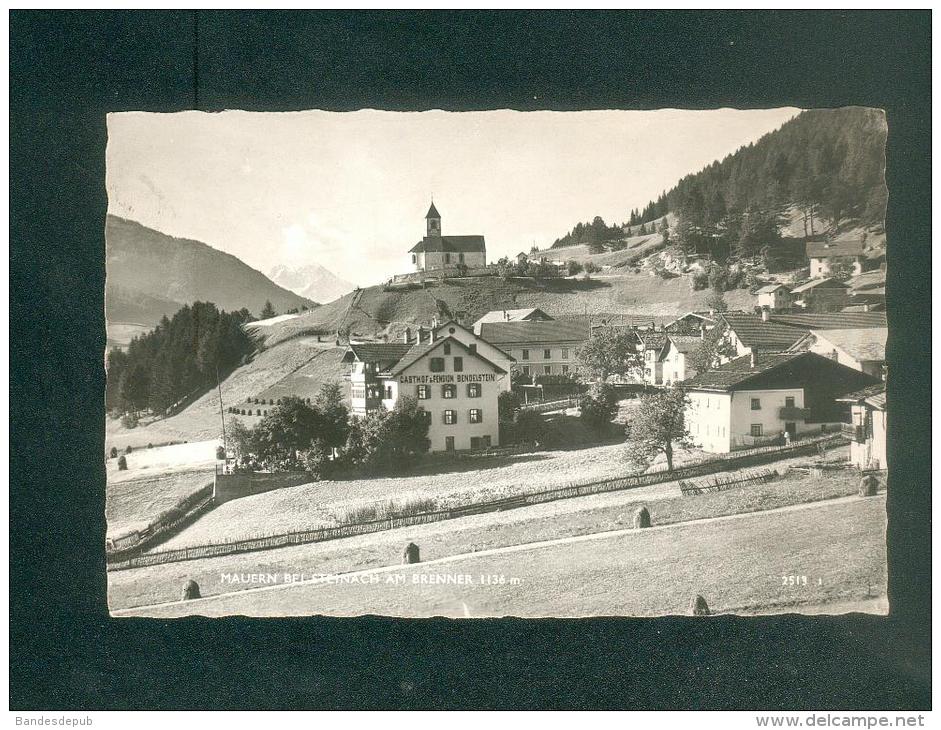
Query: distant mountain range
{"x": 313, "y": 281}
{"x": 151, "y": 274}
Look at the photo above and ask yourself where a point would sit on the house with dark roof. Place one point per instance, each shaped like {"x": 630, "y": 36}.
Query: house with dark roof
{"x": 452, "y": 380}
{"x": 859, "y": 348}
{"x": 825, "y": 256}
{"x": 827, "y": 294}
{"x": 650, "y": 343}
{"x": 437, "y": 252}
{"x": 746, "y": 333}
{"x": 692, "y": 323}
{"x": 867, "y": 426}
{"x": 767, "y": 398}
{"x": 540, "y": 347}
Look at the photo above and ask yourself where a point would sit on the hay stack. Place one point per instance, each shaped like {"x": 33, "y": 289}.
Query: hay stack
{"x": 868, "y": 486}
{"x": 698, "y": 606}
{"x": 410, "y": 554}
{"x": 190, "y": 591}
{"x": 641, "y": 518}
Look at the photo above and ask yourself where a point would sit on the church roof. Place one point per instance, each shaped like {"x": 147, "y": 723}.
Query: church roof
{"x": 450, "y": 244}
{"x": 432, "y": 211}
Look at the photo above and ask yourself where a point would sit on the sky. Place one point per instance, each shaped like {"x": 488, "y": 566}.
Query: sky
{"x": 350, "y": 190}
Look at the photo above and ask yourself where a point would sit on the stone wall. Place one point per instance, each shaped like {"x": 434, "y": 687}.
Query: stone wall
{"x": 234, "y": 486}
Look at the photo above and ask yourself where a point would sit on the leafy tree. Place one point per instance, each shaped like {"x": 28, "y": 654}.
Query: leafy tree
{"x": 528, "y": 427}
{"x": 716, "y": 301}
{"x": 508, "y": 402}
{"x": 389, "y": 439}
{"x": 714, "y": 348}
{"x": 598, "y": 406}
{"x": 574, "y": 267}
{"x": 334, "y": 415}
{"x": 267, "y": 311}
{"x": 591, "y": 267}
{"x": 658, "y": 427}
{"x": 289, "y": 428}
{"x": 609, "y": 351}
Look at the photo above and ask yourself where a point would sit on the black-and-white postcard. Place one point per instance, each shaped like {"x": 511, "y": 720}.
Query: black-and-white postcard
{"x": 485, "y": 364}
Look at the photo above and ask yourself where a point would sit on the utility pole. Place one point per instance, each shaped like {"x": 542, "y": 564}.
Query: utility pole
{"x": 225, "y": 444}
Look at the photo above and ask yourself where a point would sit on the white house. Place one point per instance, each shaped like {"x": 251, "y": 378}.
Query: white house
{"x": 675, "y": 356}
{"x": 826, "y": 293}
{"x": 437, "y": 252}
{"x": 539, "y": 347}
{"x": 825, "y": 256}
{"x": 530, "y": 314}
{"x": 756, "y": 399}
{"x": 457, "y": 386}
{"x": 774, "y": 297}
{"x": 859, "y": 348}
{"x": 867, "y": 427}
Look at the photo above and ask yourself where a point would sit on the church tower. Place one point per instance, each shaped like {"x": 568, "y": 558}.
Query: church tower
{"x": 433, "y": 221}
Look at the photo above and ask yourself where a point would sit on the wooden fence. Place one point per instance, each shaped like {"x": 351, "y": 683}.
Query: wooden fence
{"x": 549, "y": 405}
{"x": 718, "y": 484}
{"x": 723, "y": 463}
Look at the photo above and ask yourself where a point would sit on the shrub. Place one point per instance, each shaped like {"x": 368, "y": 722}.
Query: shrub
{"x": 508, "y": 402}
{"x": 129, "y": 420}
{"x": 699, "y": 280}
{"x": 316, "y": 460}
{"x": 149, "y": 445}
{"x": 598, "y": 406}
{"x": 114, "y": 452}
{"x": 220, "y": 453}
{"x": 122, "y": 463}
{"x": 574, "y": 267}
{"x": 528, "y": 426}
{"x": 641, "y": 518}
{"x": 128, "y": 449}
{"x": 591, "y": 267}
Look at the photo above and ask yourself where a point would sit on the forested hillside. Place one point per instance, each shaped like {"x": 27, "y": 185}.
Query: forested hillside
{"x": 827, "y": 164}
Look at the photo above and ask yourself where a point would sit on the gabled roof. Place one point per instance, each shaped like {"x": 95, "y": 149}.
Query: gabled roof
{"x": 513, "y": 315}
{"x": 769, "y": 288}
{"x": 738, "y": 371}
{"x": 652, "y": 339}
{"x": 752, "y": 332}
{"x": 683, "y": 343}
{"x": 863, "y": 345}
{"x": 825, "y": 249}
{"x": 450, "y": 244}
{"x": 704, "y": 316}
{"x": 873, "y": 396}
{"x": 454, "y": 323}
{"x": 814, "y": 283}
{"x": 432, "y": 211}
{"x": 830, "y": 320}
{"x": 418, "y": 351}
{"x": 384, "y": 354}
{"x": 516, "y": 333}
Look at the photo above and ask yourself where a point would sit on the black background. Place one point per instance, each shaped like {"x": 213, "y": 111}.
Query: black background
{"x": 68, "y": 69}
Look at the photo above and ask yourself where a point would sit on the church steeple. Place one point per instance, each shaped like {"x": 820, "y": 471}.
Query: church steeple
{"x": 433, "y": 221}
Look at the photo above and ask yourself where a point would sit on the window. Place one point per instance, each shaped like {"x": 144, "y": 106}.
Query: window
{"x": 547, "y": 369}
{"x": 460, "y": 257}
{"x": 449, "y": 391}
{"x": 472, "y": 347}
{"x": 756, "y": 404}
{"x": 565, "y": 353}
{"x": 458, "y": 364}
{"x": 388, "y": 392}
{"x": 526, "y": 354}
{"x": 436, "y": 364}
{"x": 565, "y": 369}
{"x": 358, "y": 391}
{"x": 414, "y": 258}
{"x": 789, "y": 401}
{"x": 450, "y": 418}
{"x": 525, "y": 369}
{"x": 449, "y": 443}
{"x": 476, "y": 415}
{"x": 447, "y": 348}
{"x": 424, "y": 392}
{"x": 546, "y": 354}
{"x": 447, "y": 258}
{"x": 473, "y": 390}
{"x": 756, "y": 429}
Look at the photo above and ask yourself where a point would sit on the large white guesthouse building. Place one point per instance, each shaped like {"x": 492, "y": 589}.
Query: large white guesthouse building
{"x": 454, "y": 375}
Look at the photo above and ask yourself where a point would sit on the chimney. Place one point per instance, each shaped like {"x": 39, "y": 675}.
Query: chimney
{"x": 764, "y": 314}
{"x": 421, "y": 334}
{"x": 407, "y": 335}
{"x": 702, "y": 330}
{"x": 752, "y": 357}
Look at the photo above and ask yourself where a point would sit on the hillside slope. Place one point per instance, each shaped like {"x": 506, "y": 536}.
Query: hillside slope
{"x": 150, "y": 269}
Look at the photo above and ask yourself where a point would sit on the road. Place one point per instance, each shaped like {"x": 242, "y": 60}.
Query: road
{"x": 785, "y": 559}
